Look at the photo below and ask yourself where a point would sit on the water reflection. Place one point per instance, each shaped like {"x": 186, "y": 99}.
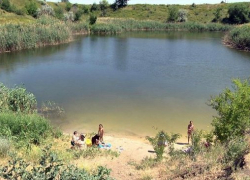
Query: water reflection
{"x": 120, "y": 53}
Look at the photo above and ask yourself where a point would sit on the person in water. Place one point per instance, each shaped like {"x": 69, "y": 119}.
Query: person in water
{"x": 101, "y": 132}
{"x": 190, "y": 130}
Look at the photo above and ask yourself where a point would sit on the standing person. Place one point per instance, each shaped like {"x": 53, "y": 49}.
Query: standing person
{"x": 101, "y": 132}
{"x": 190, "y": 130}
{"x": 74, "y": 138}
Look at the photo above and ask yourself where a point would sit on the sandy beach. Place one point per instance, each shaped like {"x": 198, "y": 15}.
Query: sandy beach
{"x": 132, "y": 150}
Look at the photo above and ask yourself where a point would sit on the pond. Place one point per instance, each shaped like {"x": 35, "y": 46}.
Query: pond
{"x": 132, "y": 83}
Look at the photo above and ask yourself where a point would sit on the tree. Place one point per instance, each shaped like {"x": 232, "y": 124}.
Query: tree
{"x": 5, "y": 5}
{"x": 104, "y": 6}
{"x": 233, "y": 108}
{"x": 239, "y": 13}
{"x": 94, "y": 7}
{"x": 66, "y": 1}
{"x": 121, "y": 3}
{"x": 173, "y": 14}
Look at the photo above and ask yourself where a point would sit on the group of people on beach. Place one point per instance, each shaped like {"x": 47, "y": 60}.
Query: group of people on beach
{"x": 79, "y": 141}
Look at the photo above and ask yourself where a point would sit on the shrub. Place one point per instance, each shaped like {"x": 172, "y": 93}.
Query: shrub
{"x": 68, "y": 16}
{"x": 68, "y": 6}
{"x": 47, "y": 10}
{"x": 239, "y": 13}
{"x": 182, "y": 15}
{"x": 17, "y": 99}
{"x": 59, "y": 13}
{"x": 235, "y": 149}
{"x": 31, "y": 8}
{"x": 217, "y": 14}
{"x": 92, "y": 19}
{"x": 160, "y": 141}
{"x": 78, "y": 14}
{"x": 173, "y": 14}
{"x": 233, "y": 111}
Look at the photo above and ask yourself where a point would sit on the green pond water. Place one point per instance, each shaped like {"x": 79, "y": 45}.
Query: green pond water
{"x": 132, "y": 83}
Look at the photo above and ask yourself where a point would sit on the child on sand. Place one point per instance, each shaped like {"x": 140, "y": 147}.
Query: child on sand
{"x": 190, "y": 130}
{"x": 101, "y": 132}
{"x": 81, "y": 142}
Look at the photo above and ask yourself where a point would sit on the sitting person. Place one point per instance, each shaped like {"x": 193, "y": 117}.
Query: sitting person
{"x": 75, "y": 138}
{"x": 81, "y": 142}
{"x": 95, "y": 140}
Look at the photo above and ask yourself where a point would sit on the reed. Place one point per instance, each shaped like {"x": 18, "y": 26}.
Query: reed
{"x": 239, "y": 38}
{"x": 112, "y": 26}
{"x": 46, "y": 31}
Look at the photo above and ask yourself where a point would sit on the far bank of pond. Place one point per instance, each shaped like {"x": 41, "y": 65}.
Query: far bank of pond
{"x": 132, "y": 82}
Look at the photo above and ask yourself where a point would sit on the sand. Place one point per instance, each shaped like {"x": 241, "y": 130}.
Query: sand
{"x": 132, "y": 150}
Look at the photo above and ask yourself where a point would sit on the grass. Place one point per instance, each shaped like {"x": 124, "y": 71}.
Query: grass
{"x": 24, "y": 128}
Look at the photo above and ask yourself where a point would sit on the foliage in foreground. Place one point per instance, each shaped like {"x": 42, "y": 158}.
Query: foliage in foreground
{"x": 233, "y": 108}
{"x": 50, "y": 167}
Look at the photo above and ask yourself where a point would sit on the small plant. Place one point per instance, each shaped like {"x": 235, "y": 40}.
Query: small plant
{"x": 162, "y": 140}
{"x": 4, "y": 147}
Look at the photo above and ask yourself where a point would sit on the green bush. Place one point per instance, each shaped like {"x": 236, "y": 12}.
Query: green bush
{"x": 59, "y": 13}
{"x": 235, "y": 149}
{"x": 17, "y": 99}
{"x": 31, "y": 8}
{"x": 68, "y": 6}
{"x": 233, "y": 111}
{"x": 173, "y": 14}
